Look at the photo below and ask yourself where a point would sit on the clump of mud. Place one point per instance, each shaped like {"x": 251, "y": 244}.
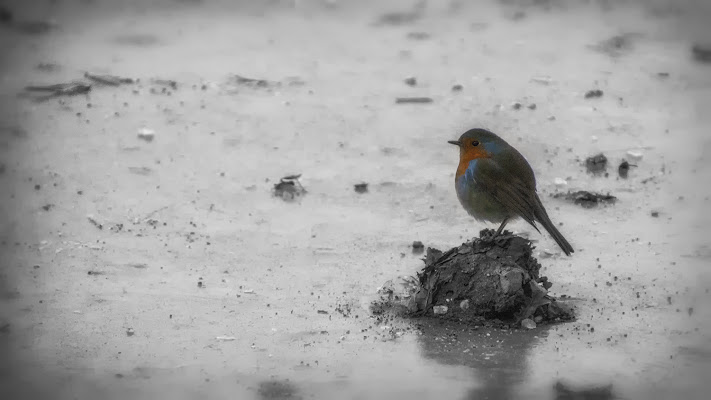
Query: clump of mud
{"x": 481, "y": 280}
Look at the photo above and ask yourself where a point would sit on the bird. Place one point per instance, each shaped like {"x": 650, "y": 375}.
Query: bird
{"x": 495, "y": 183}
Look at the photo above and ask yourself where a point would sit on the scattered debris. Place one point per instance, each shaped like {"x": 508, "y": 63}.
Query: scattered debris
{"x": 411, "y": 81}
{"x": 418, "y": 35}
{"x": 596, "y": 164}
{"x": 165, "y": 82}
{"x": 251, "y": 82}
{"x": 587, "y": 199}
{"x": 417, "y": 247}
{"x": 560, "y": 182}
{"x": 361, "y": 187}
{"x": 94, "y": 221}
{"x": 624, "y": 168}
{"x": 489, "y": 280}
{"x": 109, "y": 80}
{"x": 289, "y": 187}
{"x": 457, "y": 88}
{"x": 146, "y": 134}
{"x": 402, "y": 100}
{"x": 60, "y": 89}
{"x": 701, "y": 53}
{"x": 593, "y": 93}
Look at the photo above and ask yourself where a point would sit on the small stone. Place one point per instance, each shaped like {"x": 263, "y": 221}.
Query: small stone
{"x": 546, "y": 253}
{"x": 593, "y": 93}
{"x": 413, "y": 100}
{"x": 634, "y": 155}
{"x": 457, "y": 88}
{"x": 464, "y": 305}
{"x": 532, "y": 106}
{"x": 411, "y": 81}
{"x": 655, "y": 214}
{"x": 538, "y": 319}
{"x": 624, "y": 169}
{"x": 528, "y": 324}
{"x": 596, "y": 164}
{"x": 130, "y": 332}
{"x": 361, "y": 187}
{"x": 516, "y": 106}
{"x": 417, "y": 247}
{"x": 439, "y": 310}
{"x": 146, "y": 134}
{"x": 560, "y": 182}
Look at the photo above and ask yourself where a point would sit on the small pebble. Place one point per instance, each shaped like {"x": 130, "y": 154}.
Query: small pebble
{"x": 593, "y": 93}
{"x": 146, "y": 134}
{"x": 634, "y": 155}
{"x": 528, "y": 324}
{"x": 439, "y": 310}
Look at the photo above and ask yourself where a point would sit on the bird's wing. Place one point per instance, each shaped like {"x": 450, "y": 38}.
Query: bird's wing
{"x": 508, "y": 187}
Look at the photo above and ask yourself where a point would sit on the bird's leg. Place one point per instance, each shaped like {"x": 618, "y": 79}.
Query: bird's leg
{"x": 491, "y": 238}
{"x": 501, "y": 228}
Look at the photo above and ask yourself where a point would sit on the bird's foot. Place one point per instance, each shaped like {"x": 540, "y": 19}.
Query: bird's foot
{"x": 489, "y": 236}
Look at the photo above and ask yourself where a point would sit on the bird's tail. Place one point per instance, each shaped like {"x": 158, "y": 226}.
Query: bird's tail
{"x": 542, "y": 217}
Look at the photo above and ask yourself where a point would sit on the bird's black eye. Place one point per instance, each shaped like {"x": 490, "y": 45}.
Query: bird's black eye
{"x": 475, "y": 143}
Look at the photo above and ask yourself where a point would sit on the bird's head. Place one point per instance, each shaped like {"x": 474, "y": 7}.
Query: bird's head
{"x": 478, "y": 143}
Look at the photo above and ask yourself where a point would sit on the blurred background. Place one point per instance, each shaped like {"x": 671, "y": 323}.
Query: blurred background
{"x": 150, "y": 248}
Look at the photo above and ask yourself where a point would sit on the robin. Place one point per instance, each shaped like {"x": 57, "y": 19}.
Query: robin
{"x": 495, "y": 183}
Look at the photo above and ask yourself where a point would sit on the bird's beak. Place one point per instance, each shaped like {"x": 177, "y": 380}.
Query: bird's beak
{"x": 455, "y": 142}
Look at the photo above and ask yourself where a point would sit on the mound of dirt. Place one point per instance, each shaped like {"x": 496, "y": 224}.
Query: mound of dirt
{"x": 495, "y": 280}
